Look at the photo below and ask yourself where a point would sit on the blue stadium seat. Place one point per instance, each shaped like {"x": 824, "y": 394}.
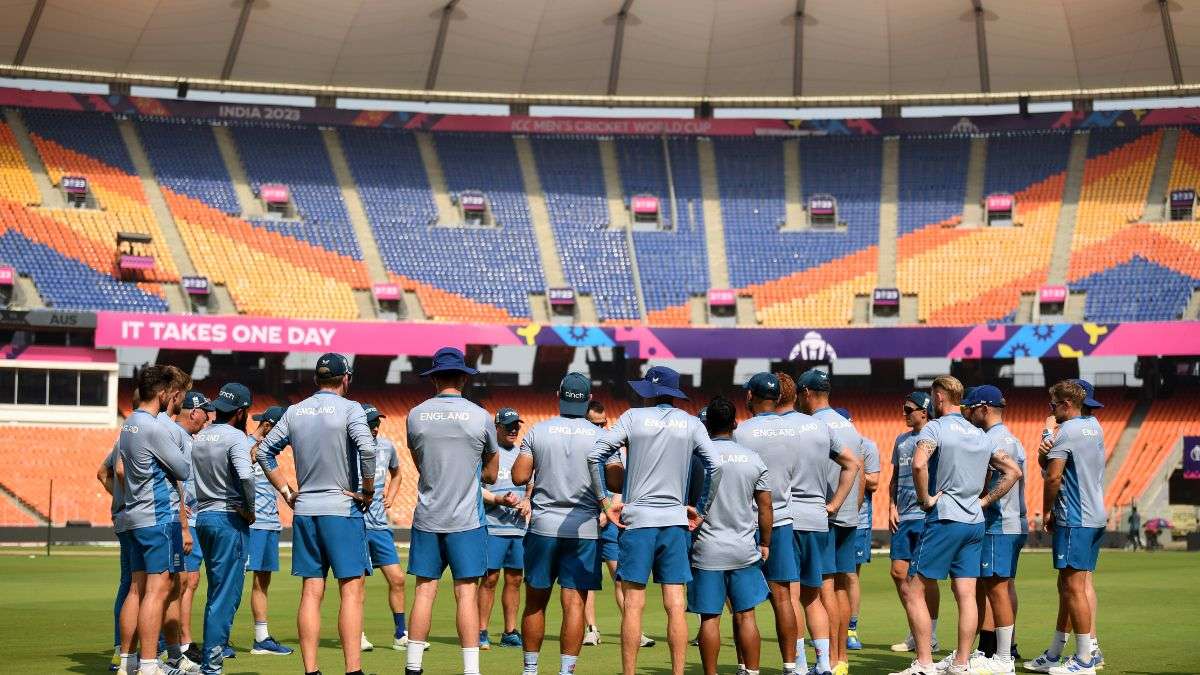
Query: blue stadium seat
{"x": 932, "y": 180}
{"x": 186, "y": 159}
{"x": 1138, "y": 290}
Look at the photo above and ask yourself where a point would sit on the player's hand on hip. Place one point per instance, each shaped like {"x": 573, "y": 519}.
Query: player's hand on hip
{"x": 930, "y": 502}
{"x": 694, "y": 518}
{"x": 361, "y": 499}
{"x": 614, "y": 515}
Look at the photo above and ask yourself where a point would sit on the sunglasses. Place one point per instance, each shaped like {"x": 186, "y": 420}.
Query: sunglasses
{"x": 908, "y": 411}
{"x": 1054, "y": 405}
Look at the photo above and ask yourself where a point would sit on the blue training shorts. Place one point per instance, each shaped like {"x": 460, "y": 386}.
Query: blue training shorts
{"x": 262, "y": 551}
{"x": 610, "y": 549}
{"x": 322, "y": 543}
{"x": 573, "y": 563}
{"x": 663, "y": 550}
{"x": 810, "y": 556}
{"x": 842, "y": 540}
{"x": 999, "y": 555}
{"x": 906, "y": 538}
{"x": 862, "y": 545}
{"x": 781, "y": 565}
{"x": 744, "y": 588}
{"x": 382, "y": 548}
{"x": 156, "y": 548}
{"x": 465, "y": 553}
{"x": 948, "y": 548}
{"x": 1077, "y": 548}
{"x": 505, "y": 552}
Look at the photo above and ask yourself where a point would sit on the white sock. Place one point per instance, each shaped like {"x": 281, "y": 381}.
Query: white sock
{"x": 129, "y": 662}
{"x": 742, "y": 666}
{"x": 749, "y": 672}
{"x": 789, "y": 667}
{"x": 470, "y": 660}
{"x": 1057, "y": 644}
{"x": 821, "y": 651}
{"x": 1004, "y": 636}
{"x": 260, "y": 631}
{"x": 415, "y": 655}
{"x": 148, "y": 667}
{"x": 531, "y": 662}
{"x": 801, "y": 657}
{"x": 566, "y": 664}
{"x": 933, "y": 631}
{"x": 1083, "y": 647}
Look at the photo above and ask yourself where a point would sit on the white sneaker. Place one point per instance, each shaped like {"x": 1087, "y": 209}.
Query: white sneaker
{"x": 1074, "y": 666}
{"x": 910, "y": 645}
{"x": 648, "y": 641}
{"x": 365, "y": 644}
{"x": 591, "y": 638}
{"x": 944, "y": 665}
{"x": 917, "y": 669}
{"x": 400, "y": 644}
{"x": 187, "y": 665}
{"x": 992, "y": 666}
{"x": 1042, "y": 664}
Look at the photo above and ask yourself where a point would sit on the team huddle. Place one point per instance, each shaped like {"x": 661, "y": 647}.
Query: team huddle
{"x": 721, "y": 515}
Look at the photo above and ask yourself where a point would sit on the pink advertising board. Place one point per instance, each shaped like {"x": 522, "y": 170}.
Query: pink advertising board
{"x": 1052, "y": 294}
{"x": 386, "y": 291}
{"x": 6, "y": 276}
{"x": 236, "y": 333}
{"x": 274, "y": 193}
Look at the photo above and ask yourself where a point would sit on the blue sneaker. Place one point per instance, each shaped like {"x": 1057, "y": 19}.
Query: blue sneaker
{"x": 512, "y": 639}
{"x": 852, "y": 641}
{"x": 270, "y": 647}
{"x": 228, "y": 652}
{"x": 1074, "y": 666}
{"x": 484, "y": 643}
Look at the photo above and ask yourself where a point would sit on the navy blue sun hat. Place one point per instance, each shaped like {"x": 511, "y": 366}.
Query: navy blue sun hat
{"x": 272, "y": 415}
{"x": 233, "y": 396}
{"x": 922, "y": 399}
{"x": 764, "y": 386}
{"x": 449, "y": 359}
{"x": 574, "y": 394}
{"x": 659, "y": 381}
{"x": 814, "y": 379}
{"x": 194, "y": 399}
{"x": 1089, "y": 394}
{"x": 984, "y": 395}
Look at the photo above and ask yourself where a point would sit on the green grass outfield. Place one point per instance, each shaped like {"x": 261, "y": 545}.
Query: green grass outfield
{"x": 56, "y": 614}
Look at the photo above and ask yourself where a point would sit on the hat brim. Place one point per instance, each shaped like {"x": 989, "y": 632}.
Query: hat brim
{"x": 572, "y": 407}
{"x": 647, "y": 389}
{"x": 466, "y": 370}
{"x": 207, "y": 407}
{"x": 1092, "y": 403}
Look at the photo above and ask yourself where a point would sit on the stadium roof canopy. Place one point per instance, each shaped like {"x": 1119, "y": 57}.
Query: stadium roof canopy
{"x": 584, "y": 50}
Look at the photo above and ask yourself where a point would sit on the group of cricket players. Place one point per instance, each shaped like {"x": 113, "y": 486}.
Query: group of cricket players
{"x": 723, "y": 515}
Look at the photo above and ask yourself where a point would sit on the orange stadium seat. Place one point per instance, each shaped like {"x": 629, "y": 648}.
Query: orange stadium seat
{"x": 1157, "y": 440}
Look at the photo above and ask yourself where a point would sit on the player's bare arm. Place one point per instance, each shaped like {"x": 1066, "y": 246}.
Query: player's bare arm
{"x": 920, "y": 469}
{"x": 1009, "y": 472}
{"x": 851, "y": 467}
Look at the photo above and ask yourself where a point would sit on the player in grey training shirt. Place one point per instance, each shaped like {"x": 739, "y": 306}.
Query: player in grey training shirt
{"x": 813, "y": 387}
{"x": 563, "y": 540}
{"x": 1073, "y": 499}
{"x": 1004, "y": 532}
{"x": 153, "y": 465}
{"x": 262, "y": 548}
{"x": 654, "y": 519}
{"x": 507, "y": 508}
{"x": 225, "y": 503}
{"x": 726, "y": 555}
{"x": 379, "y": 533}
{"x": 906, "y": 519}
{"x": 335, "y": 472}
{"x": 950, "y": 466}
{"x": 193, "y": 416}
{"x": 862, "y": 535}
{"x": 452, "y": 442}
{"x": 779, "y": 445}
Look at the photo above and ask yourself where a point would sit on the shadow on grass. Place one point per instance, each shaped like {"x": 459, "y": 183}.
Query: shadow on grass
{"x": 89, "y": 662}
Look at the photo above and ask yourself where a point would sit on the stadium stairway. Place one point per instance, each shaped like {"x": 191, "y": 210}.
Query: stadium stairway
{"x": 540, "y": 215}
{"x": 437, "y": 178}
{"x": 792, "y": 190}
{"x": 1156, "y": 200}
{"x": 714, "y": 223}
{"x": 976, "y": 168}
{"x": 889, "y": 196}
{"x": 50, "y": 197}
{"x": 1124, "y": 444}
{"x": 177, "y": 301}
{"x": 251, "y": 208}
{"x": 1067, "y": 215}
{"x": 1192, "y": 311}
{"x": 358, "y": 219}
{"x": 618, "y": 217}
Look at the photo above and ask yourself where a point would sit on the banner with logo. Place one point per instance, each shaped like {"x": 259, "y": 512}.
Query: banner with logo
{"x": 237, "y": 333}
{"x": 1191, "y": 457}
